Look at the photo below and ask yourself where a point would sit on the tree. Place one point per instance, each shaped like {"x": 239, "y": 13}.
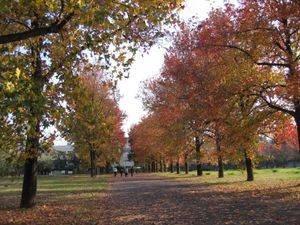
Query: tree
{"x": 93, "y": 121}
{"x": 195, "y": 73}
{"x": 21, "y": 20}
{"x": 267, "y": 34}
{"x": 42, "y": 44}
{"x": 226, "y": 78}
{"x": 245, "y": 122}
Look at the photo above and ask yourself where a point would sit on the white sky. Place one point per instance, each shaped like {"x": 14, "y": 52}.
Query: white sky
{"x": 148, "y": 65}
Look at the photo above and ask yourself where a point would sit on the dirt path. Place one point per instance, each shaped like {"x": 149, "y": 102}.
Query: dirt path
{"x": 145, "y": 199}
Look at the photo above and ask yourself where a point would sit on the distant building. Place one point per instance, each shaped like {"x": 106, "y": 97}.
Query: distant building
{"x": 124, "y": 161}
{"x": 61, "y": 160}
{"x": 63, "y": 148}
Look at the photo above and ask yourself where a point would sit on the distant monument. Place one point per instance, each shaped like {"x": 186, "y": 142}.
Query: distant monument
{"x": 124, "y": 161}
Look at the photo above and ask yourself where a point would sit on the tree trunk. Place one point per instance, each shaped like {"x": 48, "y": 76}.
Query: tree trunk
{"x": 164, "y": 166}
{"x": 297, "y": 121}
{"x": 249, "y": 166}
{"x": 107, "y": 167}
{"x": 33, "y": 136}
{"x": 153, "y": 167}
{"x": 30, "y": 167}
{"x": 220, "y": 160}
{"x": 186, "y": 165}
{"x": 91, "y": 165}
{"x": 95, "y": 162}
{"x": 220, "y": 167}
{"x": 156, "y": 166}
{"x": 92, "y": 158}
{"x": 177, "y": 167}
{"x": 198, "y": 160}
{"x": 171, "y": 166}
{"x": 29, "y": 183}
{"x": 161, "y": 169}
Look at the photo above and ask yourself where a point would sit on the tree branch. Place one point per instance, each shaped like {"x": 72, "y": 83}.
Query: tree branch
{"x": 53, "y": 28}
{"x": 272, "y": 64}
{"x": 276, "y": 107}
{"x": 247, "y": 54}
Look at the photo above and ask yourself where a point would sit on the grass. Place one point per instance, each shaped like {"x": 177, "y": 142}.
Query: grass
{"x": 284, "y": 180}
{"x": 78, "y": 195}
{"x": 67, "y": 183}
{"x": 79, "y": 199}
{"x": 230, "y": 175}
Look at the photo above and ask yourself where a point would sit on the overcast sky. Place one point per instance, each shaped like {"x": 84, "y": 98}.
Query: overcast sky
{"x": 150, "y": 65}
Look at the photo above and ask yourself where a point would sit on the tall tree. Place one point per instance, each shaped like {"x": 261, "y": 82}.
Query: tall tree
{"x": 93, "y": 121}
{"x": 267, "y": 34}
{"x": 42, "y": 42}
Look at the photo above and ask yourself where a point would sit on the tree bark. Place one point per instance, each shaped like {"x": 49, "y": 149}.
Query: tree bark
{"x": 297, "y": 121}
{"x": 249, "y": 166}
{"x": 177, "y": 167}
{"x": 93, "y": 162}
{"x": 186, "y": 167}
{"x": 153, "y": 167}
{"x": 171, "y": 166}
{"x": 198, "y": 159}
{"x": 29, "y": 183}
{"x": 91, "y": 159}
{"x": 38, "y": 31}
{"x": 107, "y": 167}
{"x": 220, "y": 160}
{"x": 29, "y": 187}
{"x": 161, "y": 169}
{"x": 156, "y": 166}
{"x": 30, "y": 168}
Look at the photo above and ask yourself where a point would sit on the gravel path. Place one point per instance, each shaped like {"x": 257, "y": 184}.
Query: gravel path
{"x": 147, "y": 199}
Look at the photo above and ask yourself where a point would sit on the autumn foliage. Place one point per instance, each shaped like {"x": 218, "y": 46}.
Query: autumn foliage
{"x": 93, "y": 120}
{"x": 225, "y": 81}
{"x": 43, "y": 44}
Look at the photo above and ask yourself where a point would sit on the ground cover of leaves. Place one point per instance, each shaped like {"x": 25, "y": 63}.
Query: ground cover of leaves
{"x": 73, "y": 199}
{"x": 162, "y": 198}
{"x": 274, "y": 198}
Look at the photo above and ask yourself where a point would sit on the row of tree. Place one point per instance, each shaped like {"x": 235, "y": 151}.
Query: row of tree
{"x": 93, "y": 120}
{"x": 43, "y": 45}
{"x": 226, "y": 81}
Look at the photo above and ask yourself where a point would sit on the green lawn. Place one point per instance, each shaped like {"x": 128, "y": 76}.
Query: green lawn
{"x": 79, "y": 195}
{"x": 79, "y": 199}
{"x": 66, "y": 183}
{"x": 276, "y": 181}
{"x": 231, "y": 175}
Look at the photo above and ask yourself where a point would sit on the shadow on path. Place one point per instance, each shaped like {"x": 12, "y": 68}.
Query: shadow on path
{"x": 147, "y": 199}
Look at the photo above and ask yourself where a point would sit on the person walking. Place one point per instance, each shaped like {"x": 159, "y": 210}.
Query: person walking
{"x": 115, "y": 171}
{"x": 131, "y": 171}
{"x": 126, "y": 172}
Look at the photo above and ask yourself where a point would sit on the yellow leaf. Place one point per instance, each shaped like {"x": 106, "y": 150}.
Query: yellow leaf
{"x": 80, "y": 3}
{"x": 18, "y": 73}
{"x": 9, "y": 86}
